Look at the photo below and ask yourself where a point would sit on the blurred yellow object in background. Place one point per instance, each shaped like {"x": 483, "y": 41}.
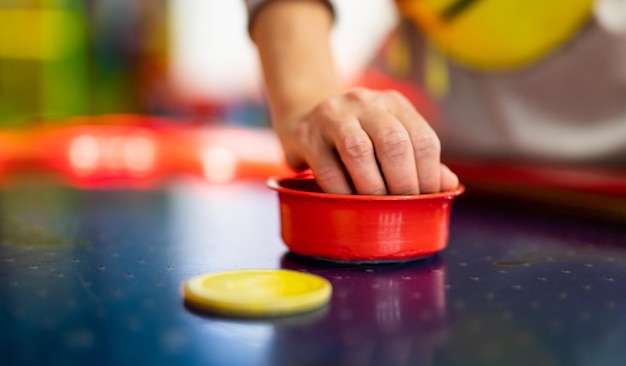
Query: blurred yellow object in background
{"x": 67, "y": 58}
{"x": 43, "y": 62}
{"x": 40, "y": 34}
{"x": 497, "y": 34}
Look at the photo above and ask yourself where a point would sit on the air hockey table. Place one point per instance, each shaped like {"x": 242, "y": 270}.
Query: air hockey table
{"x": 92, "y": 274}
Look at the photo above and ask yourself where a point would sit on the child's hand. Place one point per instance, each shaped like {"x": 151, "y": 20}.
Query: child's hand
{"x": 362, "y": 141}
{"x": 369, "y": 141}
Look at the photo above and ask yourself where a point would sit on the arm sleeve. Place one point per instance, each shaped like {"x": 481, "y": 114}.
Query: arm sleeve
{"x": 255, "y": 6}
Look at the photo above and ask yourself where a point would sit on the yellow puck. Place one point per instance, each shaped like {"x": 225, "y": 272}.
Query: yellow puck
{"x": 257, "y": 293}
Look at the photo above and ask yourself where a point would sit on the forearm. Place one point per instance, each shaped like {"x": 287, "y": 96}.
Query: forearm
{"x": 292, "y": 38}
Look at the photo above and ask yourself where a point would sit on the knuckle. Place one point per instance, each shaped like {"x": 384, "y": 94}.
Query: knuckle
{"x": 359, "y": 95}
{"x": 395, "y": 144}
{"x": 395, "y": 95}
{"x": 398, "y": 98}
{"x": 328, "y": 109}
{"x": 357, "y": 146}
{"x": 427, "y": 144}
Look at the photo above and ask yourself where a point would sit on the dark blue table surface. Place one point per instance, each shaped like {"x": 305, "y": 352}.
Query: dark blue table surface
{"x": 93, "y": 277}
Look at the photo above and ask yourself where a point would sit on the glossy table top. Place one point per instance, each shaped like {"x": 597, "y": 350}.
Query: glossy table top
{"x": 93, "y": 277}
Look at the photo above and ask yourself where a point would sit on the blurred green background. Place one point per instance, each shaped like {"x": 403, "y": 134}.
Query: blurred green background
{"x": 66, "y": 58}
{"x": 181, "y": 58}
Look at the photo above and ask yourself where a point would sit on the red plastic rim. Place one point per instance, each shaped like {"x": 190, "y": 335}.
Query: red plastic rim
{"x": 308, "y": 188}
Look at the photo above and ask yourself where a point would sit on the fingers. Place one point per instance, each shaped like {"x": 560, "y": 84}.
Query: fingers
{"x": 329, "y": 172}
{"x": 406, "y": 147}
{"x": 425, "y": 143}
{"x": 339, "y": 127}
{"x": 394, "y": 152}
{"x": 358, "y": 156}
{"x": 308, "y": 148}
{"x": 371, "y": 143}
{"x": 449, "y": 180}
